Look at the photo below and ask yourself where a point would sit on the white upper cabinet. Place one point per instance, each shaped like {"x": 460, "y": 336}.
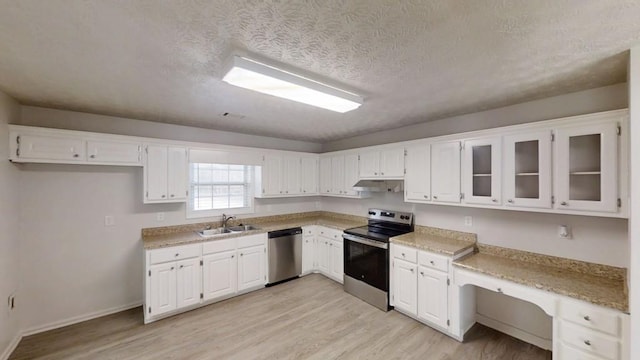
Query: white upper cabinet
{"x": 350, "y": 174}
{"x": 586, "y": 170}
{"x": 114, "y": 152}
{"x": 68, "y": 149}
{"x": 337, "y": 175}
{"x": 309, "y": 175}
{"x": 527, "y": 169}
{"x": 445, "y": 172}
{"x": 272, "y": 173}
{"x": 482, "y": 171}
{"x": 385, "y": 163}
{"x": 325, "y": 175}
{"x": 165, "y": 174}
{"x": 417, "y": 180}
{"x": 291, "y": 175}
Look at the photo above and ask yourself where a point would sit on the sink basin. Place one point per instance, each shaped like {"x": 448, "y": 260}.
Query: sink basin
{"x": 214, "y": 232}
{"x": 243, "y": 228}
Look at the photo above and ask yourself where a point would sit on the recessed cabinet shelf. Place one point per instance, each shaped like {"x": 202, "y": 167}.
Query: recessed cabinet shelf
{"x": 586, "y": 173}
{"x": 528, "y": 174}
{"x": 480, "y": 175}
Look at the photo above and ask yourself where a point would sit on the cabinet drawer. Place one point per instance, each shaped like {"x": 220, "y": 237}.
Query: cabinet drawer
{"x": 591, "y": 316}
{"x": 174, "y": 253}
{"x": 330, "y": 233}
{"x": 569, "y": 353}
{"x": 217, "y": 246}
{"x": 433, "y": 261}
{"x": 589, "y": 341}
{"x": 309, "y": 230}
{"x": 405, "y": 253}
{"x": 251, "y": 240}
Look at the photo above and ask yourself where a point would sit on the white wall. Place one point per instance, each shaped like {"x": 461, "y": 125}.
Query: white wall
{"x": 582, "y": 102}
{"x": 9, "y": 232}
{"x": 634, "y": 221}
{"x": 71, "y": 120}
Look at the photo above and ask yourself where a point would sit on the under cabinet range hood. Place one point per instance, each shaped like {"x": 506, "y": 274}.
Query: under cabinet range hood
{"x": 380, "y": 185}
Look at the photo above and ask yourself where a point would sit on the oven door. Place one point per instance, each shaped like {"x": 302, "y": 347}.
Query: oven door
{"x": 367, "y": 260}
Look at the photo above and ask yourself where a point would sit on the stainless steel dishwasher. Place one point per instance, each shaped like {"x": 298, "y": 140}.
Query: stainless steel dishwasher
{"x": 285, "y": 254}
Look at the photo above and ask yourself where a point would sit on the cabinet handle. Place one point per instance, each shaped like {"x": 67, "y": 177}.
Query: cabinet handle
{"x": 431, "y": 262}
{"x": 164, "y": 196}
{"x": 241, "y": 254}
{"x": 280, "y": 192}
{"x": 500, "y": 290}
{"x": 412, "y": 271}
{"x": 172, "y": 195}
{"x": 375, "y": 173}
{"x": 494, "y": 200}
{"x": 510, "y": 201}
{"x": 422, "y": 273}
{"x": 287, "y": 192}
{"x": 564, "y": 203}
{"x": 171, "y": 268}
{"x": 587, "y": 318}
{"x": 177, "y": 254}
{"x": 381, "y": 173}
{"x": 402, "y": 254}
{"x": 587, "y": 342}
{"x": 232, "y": 256}
{"x": 435, "y": 197}
{"x": 76, "y": 155}
{"x": 92, "y": 156}
{"x": 426, "y": 197}
{"x": 181, "y": 266}
{"x": 330, "y": 244}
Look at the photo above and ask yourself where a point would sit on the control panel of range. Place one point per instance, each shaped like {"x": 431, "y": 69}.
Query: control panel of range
{"x": 391, "y": 216}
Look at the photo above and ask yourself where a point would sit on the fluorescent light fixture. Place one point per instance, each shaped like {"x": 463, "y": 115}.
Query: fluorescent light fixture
{"x": 266, "y": 79}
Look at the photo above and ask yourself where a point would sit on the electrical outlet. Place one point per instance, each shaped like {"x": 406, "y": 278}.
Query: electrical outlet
{"x": 160, "y": 216}
{"x": 468, "y": 221}
{"x": 109, "y": 220}
{"x": 11, "y": 302}
{"x": 564, "y": 232}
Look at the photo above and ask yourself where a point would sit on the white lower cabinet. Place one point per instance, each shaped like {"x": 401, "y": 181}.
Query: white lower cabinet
{"x": 220, "y": 275}
{"x": 420, "y": 285}
{"x": 251, "y": 267}
{"x": 323, "y": 252}
{"x": 180, "y": 278}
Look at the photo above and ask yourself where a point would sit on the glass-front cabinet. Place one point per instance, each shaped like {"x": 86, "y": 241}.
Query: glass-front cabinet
{"x": 527, "y": 169}
{"x": 482, "y": 174}
{"x": 586, "y": 167}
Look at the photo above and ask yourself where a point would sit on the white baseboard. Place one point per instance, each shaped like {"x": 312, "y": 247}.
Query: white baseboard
{"x": 76, "y": 319}
{"x": 12, "y": 346}
{"x": 546, "y": 344}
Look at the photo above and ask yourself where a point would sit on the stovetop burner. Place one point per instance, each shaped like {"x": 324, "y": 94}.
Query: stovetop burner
{"x": 384, "y": 224}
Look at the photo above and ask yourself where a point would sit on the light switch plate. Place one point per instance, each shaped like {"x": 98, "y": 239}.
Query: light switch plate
{"x": 109, "y": 220}
{"x": 468, "y": 221}
{"x": 160, "y": 216}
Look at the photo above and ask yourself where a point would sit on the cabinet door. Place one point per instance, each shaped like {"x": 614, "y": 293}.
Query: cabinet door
{"x": 417, "y": 180}
{"x": 337, "y": 260}
{"x": 392, "y": 163}
{"x": 113, "y": 152}
{"x": 337, "y": 175}
{"x": 308, "y": 254}
{"x": 309, "y": 176}
{"x": 189, "y": 283}
{"x": 405, "y": 286}
{"x": 272, "y": 171}
{"x": 291, "y": 175}
{"x": 369, "y": 164}
{"x": 177, "y": 186}
{"x": 51, "y": 148}
{"x": 251, "y": 267}
{"x": 432, "y": 296}
{"x": 586, "y": 167}
{"x": 322, "y": 255}
{"x": 445, "y": 172}
{"x": 156, "y": 172}
{"x": 527, "y": 169}
{"x": 162, "y": 288}
{"x": 325, "y": 175}
{"x": 482, "y": 171}
{"x": 350, "y": 174}
{"x": 220, "y": 275}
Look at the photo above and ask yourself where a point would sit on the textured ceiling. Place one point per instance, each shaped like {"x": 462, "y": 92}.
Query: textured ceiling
{"x": 413, "y": 61}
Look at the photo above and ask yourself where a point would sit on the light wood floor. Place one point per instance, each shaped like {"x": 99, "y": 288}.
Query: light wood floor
{"x": 309, "y": 318}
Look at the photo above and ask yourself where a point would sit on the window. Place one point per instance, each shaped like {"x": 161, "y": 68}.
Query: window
{"x": 218, "y": 188}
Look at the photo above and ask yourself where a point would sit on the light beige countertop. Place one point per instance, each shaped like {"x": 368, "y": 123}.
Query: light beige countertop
{"x": 160, "y": 237}
{"x": 446, "y": 242}
{"x": 598, "y": 284}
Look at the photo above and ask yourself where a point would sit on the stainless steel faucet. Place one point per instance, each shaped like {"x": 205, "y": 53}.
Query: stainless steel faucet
{"x": 225, "y": 219}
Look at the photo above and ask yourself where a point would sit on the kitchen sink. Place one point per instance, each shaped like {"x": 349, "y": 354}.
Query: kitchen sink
{"x": 224, "y": 231}
{"x": 243, "y": 228}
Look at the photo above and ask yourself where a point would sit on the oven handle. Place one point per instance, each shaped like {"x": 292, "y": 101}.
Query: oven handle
{"x": 365, "y": 241}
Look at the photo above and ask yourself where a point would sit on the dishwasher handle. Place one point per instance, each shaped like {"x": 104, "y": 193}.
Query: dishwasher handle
{"x": 284, "y": 232}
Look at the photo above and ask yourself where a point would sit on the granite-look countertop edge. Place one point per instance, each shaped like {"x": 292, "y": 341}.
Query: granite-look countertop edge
{"x": 191, "y": 237}
{"x": 594, "y": 289}
{"x": 436, "y": 244}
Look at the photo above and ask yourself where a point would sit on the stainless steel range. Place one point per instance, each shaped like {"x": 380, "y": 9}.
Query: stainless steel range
{"x": 366, "y": 255}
